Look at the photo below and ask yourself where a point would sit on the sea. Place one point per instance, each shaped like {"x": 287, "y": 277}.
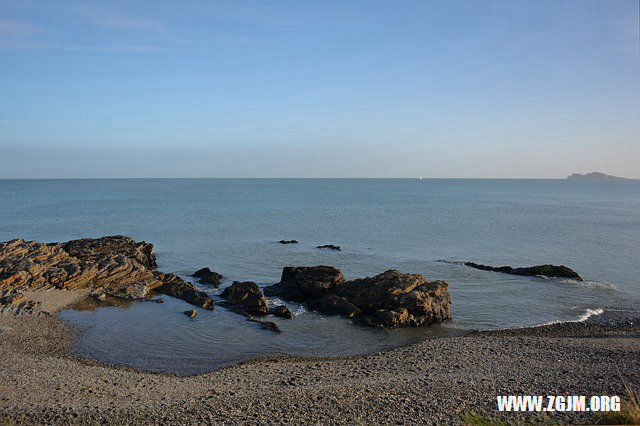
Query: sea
{"x": 233, "y": 227}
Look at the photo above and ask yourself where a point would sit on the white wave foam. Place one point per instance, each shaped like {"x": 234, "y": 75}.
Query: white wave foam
{"x": 300, "y": 310}
{"x": 276, "y": 301}
{"x": 586, "y": 283}
{"x": 588, "y": 314}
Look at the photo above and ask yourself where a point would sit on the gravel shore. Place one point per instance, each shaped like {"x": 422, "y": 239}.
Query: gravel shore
{"x": 437, "y": 381}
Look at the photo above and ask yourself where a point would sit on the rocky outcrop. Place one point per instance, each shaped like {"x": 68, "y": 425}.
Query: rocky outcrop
{"x": 388, "y": 299}
{"x": 207, "y": 276}
{"x": 396, "y": 299}
{"x": 117, "y": 266}
{"x": 94, "y": 249}
{"x": 303, "y": 283}
{"x": 288, "y": 242}
{"x": 109, "y": 262}
{"x": 550, "y": 271}
{"x": 191, "y": 313}
{"x": 245, "y": 297}
{"x": 329, "y": 246}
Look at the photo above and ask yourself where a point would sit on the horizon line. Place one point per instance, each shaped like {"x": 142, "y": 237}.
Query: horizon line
{"x": 306, "y": 178}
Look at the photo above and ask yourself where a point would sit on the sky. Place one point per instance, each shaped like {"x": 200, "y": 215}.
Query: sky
{"x": 477, "y": 88}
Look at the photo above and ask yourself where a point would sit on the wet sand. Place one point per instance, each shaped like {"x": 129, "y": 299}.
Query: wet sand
{"x": 435, "y": 381}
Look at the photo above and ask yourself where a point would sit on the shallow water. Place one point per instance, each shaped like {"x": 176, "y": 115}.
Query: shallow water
{"x": 232, "y": 226}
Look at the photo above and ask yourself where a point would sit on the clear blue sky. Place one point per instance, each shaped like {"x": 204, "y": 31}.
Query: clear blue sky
{"x": 473, "y": 88}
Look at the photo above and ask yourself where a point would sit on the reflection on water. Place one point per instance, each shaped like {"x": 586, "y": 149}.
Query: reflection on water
{"x": 91, "y": 303}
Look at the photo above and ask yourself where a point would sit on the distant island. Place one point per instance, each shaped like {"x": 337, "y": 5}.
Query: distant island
{"x": 593, "y": 175}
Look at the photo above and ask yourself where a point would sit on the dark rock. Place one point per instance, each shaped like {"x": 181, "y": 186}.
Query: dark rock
{"x": 272, "y": 326}
{"x": 392, "y": 317}
{"x": 332, "y": 304}
{"x": 329, "y": 246}
{"x": 190, "y": 313}
{"x": 305, "y": 282}
{"x": 288, "y": 242}
{"x": 158, "y": 300}
{"x": 550, "y": 271}
{"x": 388, "y": 299}
{"x": 174, "y": 286}
{"x": 245, "y": 297}
{"x": 281, "y": 311}
{"x": 265, "y": 325}
{"x": 207, "y": 276}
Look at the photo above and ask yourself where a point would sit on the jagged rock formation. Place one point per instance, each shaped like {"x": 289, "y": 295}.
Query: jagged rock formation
{"x": 302, "y": 283}
{"x": 245, "y": 297}
{"x": 117, "y": 266}
{"x": 550, "y": 271}
{"x": 388, "y": 299}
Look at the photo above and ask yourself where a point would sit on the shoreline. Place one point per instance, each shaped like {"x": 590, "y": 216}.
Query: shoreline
{"x": 75, "y": 330}
{"x": 438, "y": 380}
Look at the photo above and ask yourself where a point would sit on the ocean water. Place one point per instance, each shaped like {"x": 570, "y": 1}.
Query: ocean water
{"x": 233, "y": 225}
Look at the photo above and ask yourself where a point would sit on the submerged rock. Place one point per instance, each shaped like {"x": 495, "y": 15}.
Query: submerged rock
{"x": 116, "y": 266}
{"x": 329, "y": 246}
{"x": 288, "y": 242}
{"x": 265, "y": 325}
{"x": 174, "y": 286}
{"x": 550, "y": 271}
{"x": 388, "y": 299}
{"x": 282, "y": 311}
{"x": 190, "y": 313}
{"x": 271, "y": 326}
{"x": 207, "y": 276}
{"x": 245, "y": 297}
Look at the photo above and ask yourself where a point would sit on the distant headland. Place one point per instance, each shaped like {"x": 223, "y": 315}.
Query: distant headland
{"x": 593, "y": 175}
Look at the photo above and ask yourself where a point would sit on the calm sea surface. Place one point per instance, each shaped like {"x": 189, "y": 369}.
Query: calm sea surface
{"x": 233, "y": 225}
